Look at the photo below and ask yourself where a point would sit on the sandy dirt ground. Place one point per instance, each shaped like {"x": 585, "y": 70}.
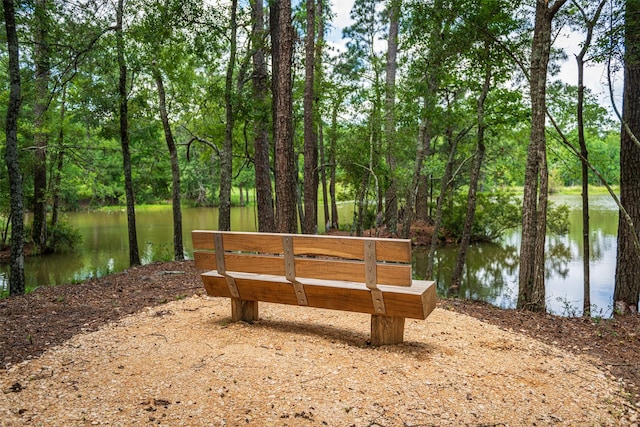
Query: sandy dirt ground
{"x": 183, "y": 363}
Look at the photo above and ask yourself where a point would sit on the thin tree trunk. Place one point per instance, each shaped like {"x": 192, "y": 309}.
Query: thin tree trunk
{"x": 391, "y": 196}
{"x": 360, "y": 203}
{"x": 41, "y": 103}
{"x": 264, "y": 196}
{"x": 310, "y": 223}
{"x": 226, "y": 158}
{"x": 473, "y": 184}
{"x": 317, "y": 96}
{"x": 134, "y": 256}
{"x": 333, "y": 141}
{"x": 424, "y": 197}
{"x": 444, "y": 185}
{"x": 16, "y": 263}
{"x": 286, "y": 221}
{"x": 178, "y": 248}
{"x": 323, "y": 179}
{"x": 422, "y": 150}
{"x": 299, "y": 189}
{"x": 586, "y": 243}
{"x": 627, "y": 288}
{"x": 57, "y": 175}
{"x": 531, "y": 295}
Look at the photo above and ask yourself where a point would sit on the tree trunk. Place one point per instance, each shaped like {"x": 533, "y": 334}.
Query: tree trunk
{"x": 627, "y": 288}
{"x": 178, "y": 248}
{"x": 586, "y": 244}
{"x": 264, "y": 196}
{"x": 317, "y": 99}
{"x": 57, "y": 175}
{"x": 444, "y": 185}
{"x": 531, "y": 294}
{"x": 299, "y": 189}
{"x": 361, "y": 204}
{"x": 391, "y": 196}
{"x": 310, "y": 225}
{"x": 16, "y": 275}
{"x": 286, "y": 221}
{"x": 473, "y": 184}
{"x": 424, "y": 197}
{"x": 226, "y": 157}
{"x": 333, "y": 142}
{"x": 422, "y": 150}
{"x": 323, "y": 179}
{"x": 41, "y": 103}
{"x": 134, "y": 256}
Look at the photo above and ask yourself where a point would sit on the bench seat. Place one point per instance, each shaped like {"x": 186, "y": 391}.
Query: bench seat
{"x": 365, "y": 275}
{"x": 411, "y": 301}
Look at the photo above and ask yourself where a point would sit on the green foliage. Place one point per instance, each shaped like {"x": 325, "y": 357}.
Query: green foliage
{"x": 557, "y": 218}
{"x": 496, "y": 212}
{"x": 445, "y": 49}
{"x": 63, "y": 237}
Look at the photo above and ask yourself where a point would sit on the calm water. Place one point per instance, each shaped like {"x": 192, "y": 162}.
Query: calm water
{"x": 491, "y": 273}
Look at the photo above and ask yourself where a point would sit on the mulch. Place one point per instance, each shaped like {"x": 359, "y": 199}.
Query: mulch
{"x": 32, "y": 323}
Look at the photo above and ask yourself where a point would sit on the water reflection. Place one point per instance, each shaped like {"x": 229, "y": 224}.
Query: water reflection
{"x": 105, "y": 247}
{"x": 491, "y": 273}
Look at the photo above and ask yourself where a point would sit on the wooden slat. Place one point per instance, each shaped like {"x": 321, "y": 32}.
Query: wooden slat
{"x": 414, "y": 302}
{"x": 393, "y": 250}
{"x": 205, "y": 260}
{"x": 387, "y": 274}
{"x": 326, "y": 269}
{"x": 202, "y": 240}
{"x": 389, "y": 250}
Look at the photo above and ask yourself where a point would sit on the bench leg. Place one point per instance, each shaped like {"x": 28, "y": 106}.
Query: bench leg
{"x": 242, "y": 310}
{"x": 386, "y": 330}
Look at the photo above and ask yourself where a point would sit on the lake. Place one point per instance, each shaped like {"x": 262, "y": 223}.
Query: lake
{"x": 491, "y": 273}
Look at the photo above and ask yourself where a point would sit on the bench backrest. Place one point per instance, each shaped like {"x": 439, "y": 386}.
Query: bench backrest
{"x": 356, "y": 259}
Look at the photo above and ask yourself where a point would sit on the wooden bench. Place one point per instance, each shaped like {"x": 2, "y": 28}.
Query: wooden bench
{"x": 367, "y": 275}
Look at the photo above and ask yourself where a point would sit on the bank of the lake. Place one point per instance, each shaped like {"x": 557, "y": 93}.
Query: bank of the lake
{"x": 490, "y": 274}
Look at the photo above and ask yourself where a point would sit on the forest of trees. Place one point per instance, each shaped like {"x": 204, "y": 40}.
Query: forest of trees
{"x": 428, "y": 102}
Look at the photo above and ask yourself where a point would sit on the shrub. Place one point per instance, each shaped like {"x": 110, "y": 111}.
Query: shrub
{"x": 63, "y": 236}
{"x": 496, "y": 212}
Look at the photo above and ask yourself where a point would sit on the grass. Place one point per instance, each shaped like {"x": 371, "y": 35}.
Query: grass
{"x": 139, "y": 208}
{"x": 593, "y": 189}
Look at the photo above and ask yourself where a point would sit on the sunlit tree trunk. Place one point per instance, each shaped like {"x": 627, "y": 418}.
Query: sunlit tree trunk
{"x": 531, "y": 294}
{"x": 310, "y": 223}
{"x": 226, "y": 157}
{"x": 16, "y": 275}
{"x": 264, "y": 195}
{"x": 134, "y": 256}
{"x": 319, "y": 94}
{"x": 178, "y": 249}
{"x": 391, "y": 196}
{"x": 282, "y": 41}
{"x": 627, "y": 287}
